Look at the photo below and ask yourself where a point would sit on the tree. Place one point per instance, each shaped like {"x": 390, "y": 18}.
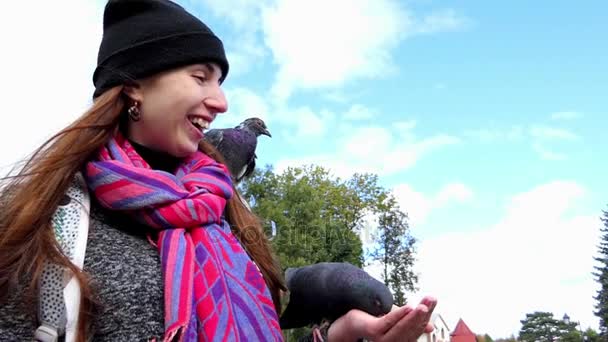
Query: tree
{"x": 571, "y": 336}
{"x": 601, "y": 276}
{"x": 591, "y": 335}
{"x": 395, "y": 250}
{"x": 509, "y": 339}
{"x": 542, "y": 327}
{"x": 315, "y": 214}
{"x": 319, "y": 217}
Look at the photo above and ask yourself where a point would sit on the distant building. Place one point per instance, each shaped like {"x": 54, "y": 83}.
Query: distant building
{"x": 441, "y": 332}
{"x": 462, "y": 333}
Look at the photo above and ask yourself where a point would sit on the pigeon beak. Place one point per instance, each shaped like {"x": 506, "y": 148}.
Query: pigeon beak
{"x": 266, "y": 132}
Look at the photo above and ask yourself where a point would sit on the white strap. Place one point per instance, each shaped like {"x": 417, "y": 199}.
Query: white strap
{"x": 72, "y": 235}
{"x": 71, "y": 292}
{"x": 46, "y": 333}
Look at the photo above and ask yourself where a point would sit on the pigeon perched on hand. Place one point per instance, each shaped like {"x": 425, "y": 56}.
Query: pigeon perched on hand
{"x": 237, "y": 145}
{"x": 328, "y": 290}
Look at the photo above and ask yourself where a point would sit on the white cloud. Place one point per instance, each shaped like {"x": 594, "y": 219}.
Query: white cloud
{"x": 539, "y": 256}
{"x": 414, "y": 203}
{"x": 542, "y": 138}
{"x": 243, "y": 15}
{"x": 314, "y": 50}
{"x": 244, "y": 48}
{"x": 552, "y": 133}
{"x": 306, "y": 122}
{"x": 309, "y": 46}
{"x": 545, "y": 136}
{"x": 547, "y": 154}
{"x": 568, "y": 115}
{"x": 47, "y": 74}
{"x": 457, "y": 192}
{"x": 443, "y": 20}
{"x": 418, "y": 206}
{"x": 391, "y": 151}
{"x": 405, "y": 126}
{"x": 487, "y": 135}
{"x": 244, "y": 103}
{"x": 359, "y": 112}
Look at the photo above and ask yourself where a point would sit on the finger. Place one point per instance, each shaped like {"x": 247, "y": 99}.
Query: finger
{"x": 430, "y": 302}
{"x": 429, "y": 328}
{"x": 409, "y": 327}
{"x": 386, "y": 322}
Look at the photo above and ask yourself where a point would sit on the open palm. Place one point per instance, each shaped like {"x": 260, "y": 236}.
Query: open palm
{"x": 402, "y": 324}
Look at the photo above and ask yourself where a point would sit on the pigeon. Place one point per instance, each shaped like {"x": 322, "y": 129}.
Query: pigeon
{"x": 237, "y": 145}
{"x": 328, "y": 290}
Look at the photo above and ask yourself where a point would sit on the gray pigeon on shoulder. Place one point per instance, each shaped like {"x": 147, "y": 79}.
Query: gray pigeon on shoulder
{"x": 237, "y": 145}
{"x": 328, "y": 290}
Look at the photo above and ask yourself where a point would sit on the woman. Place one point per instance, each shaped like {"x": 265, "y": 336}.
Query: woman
{"x": 166, "y": 251}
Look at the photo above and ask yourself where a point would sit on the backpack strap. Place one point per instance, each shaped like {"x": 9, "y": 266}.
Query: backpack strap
{"x": 59, "y": 296}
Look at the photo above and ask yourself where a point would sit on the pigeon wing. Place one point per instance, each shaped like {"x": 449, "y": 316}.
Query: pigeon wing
{"x": 237, "y": 147}
{"x": 249, "y": 168}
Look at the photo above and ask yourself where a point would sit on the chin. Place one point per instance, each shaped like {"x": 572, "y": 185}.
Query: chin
{"x": 186, "y": 150}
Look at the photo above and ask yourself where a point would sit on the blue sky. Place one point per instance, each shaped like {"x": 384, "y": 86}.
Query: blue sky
{"x": 486, "y": 119}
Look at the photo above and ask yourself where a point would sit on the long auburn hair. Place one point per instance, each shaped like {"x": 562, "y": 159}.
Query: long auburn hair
{"x": 29, "y": 199}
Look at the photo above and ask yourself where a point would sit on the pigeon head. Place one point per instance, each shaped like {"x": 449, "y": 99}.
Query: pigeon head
{"x": 255, "y": 125}
{"x": 374, "y": 297}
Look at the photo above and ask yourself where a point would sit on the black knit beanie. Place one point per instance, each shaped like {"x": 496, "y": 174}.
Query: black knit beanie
{"x": 144, "y": 37}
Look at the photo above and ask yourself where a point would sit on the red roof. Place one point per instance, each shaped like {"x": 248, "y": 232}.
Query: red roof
{"x": 462, "y": 333}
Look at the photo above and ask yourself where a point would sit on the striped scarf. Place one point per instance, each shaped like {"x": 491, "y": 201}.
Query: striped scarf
{"x": 213, "y": 290}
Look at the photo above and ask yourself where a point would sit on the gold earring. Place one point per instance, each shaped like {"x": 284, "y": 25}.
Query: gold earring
{"x": 133, "y": 112}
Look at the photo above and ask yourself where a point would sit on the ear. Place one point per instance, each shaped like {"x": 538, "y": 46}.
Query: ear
{"x": 134, "y": 91}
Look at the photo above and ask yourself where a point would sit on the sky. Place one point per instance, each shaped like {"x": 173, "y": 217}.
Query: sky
{"x": 486, "y": 119}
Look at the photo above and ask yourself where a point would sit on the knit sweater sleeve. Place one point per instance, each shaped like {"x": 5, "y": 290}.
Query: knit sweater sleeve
{"x": 15, "y": 323}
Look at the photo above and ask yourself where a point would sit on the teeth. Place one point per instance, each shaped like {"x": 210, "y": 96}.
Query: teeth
{"x": 200, "y": 122}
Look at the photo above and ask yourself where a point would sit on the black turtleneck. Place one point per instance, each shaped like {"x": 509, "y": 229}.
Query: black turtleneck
{"x": 157, "y": 160}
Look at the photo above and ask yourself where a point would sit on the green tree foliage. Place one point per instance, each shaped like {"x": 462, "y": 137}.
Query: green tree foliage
{"x": 508, "y": 339}
{"x": 395, "y": 250}
{"x": 543, "y": 327}
{"x": 592, "y": 336}
{"x": 317, "y": 216}
{"x": 601, "y": 276}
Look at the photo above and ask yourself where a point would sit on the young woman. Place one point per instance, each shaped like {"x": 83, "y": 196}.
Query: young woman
{"x": 125, "y": 226}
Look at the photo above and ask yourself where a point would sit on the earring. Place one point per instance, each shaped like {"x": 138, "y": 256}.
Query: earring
{"x": 133, "y": 112}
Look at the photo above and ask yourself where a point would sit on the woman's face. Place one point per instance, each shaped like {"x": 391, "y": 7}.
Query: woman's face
{"x": 175, "y": 107}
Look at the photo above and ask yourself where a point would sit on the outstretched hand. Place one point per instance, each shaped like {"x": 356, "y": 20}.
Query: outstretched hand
{"x": 402, "y": 324}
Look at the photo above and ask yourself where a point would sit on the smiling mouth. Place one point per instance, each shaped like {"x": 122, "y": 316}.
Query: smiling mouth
{"x": 198, "y": 122}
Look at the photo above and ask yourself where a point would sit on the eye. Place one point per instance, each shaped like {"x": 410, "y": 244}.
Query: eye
{"x": 200, "y": 78}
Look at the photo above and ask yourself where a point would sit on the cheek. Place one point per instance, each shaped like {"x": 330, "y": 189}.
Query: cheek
{"x": 163, "y": 111}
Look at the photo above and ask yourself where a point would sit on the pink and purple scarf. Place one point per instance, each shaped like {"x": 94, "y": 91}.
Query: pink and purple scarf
{"x": 213, "y": 290}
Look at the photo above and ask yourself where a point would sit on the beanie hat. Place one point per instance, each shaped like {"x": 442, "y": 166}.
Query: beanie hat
{"x": 144, "y": 37}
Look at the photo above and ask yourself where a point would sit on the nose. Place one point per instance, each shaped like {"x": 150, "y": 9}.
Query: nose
{"x": 216, "y": 101}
